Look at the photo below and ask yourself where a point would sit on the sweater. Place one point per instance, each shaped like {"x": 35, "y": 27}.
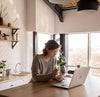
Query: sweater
{"x": 42, "y": 70}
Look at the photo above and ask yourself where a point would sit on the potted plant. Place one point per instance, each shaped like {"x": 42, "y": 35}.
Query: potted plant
{"x": 5, "y": 36}
{"x": 3, "y": 64}
{"x": 62, "y": 64}
{"x": 2, "y": 67}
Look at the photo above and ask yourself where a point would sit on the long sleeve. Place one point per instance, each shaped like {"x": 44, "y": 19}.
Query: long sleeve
{"x": 37, "y": 71}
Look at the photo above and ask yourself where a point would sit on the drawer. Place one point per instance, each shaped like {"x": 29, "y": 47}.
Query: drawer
{"x": 12, "y": 84}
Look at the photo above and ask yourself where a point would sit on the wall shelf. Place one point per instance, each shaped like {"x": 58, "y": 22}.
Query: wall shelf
{"x": 14, "y": 30}
{"x": 3, "y": 26}
{"x": 10, "y": 40}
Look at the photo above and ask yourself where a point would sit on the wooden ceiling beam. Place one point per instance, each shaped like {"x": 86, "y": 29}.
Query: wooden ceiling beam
{"x": 72, "y": 4}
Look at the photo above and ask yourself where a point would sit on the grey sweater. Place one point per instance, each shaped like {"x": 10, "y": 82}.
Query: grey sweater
{"x": 42, "y": 70}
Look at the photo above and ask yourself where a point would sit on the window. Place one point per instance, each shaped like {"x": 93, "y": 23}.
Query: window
{"x": 95, "y": 53}
{"x": 81, "y": 49}
{"x": 42, "y": 39}
{"x": 77, "y": 49}
{"x": 57, "y": 38}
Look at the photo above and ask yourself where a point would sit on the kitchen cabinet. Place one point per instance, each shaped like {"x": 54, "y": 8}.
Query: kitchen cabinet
{"x": 11, "y": 83}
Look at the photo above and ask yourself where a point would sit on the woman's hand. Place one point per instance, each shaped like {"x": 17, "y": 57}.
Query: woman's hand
{"x": 60, "y": 78}
{"x": 55, "y": 72}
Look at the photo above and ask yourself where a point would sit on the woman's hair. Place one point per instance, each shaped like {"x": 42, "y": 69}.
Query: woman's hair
{"x": 51, "y": 45}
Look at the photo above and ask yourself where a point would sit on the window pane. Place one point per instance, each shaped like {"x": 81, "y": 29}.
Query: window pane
{"x": 42, "y": 39}
{"x": 95, "y": 49}
{"x": 95, "y": 53}
{"x": 77, "y": 49}
{"x": 57, "y": 38}
{"x": 95, "y": 72}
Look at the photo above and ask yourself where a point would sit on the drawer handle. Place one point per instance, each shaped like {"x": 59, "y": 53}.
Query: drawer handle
{"x": 11, "y": 85}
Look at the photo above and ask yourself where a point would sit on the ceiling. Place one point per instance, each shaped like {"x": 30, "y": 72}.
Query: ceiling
{"x": 60, "y": 8}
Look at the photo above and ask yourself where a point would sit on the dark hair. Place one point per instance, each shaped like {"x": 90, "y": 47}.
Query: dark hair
{"x": 51, "y": 45}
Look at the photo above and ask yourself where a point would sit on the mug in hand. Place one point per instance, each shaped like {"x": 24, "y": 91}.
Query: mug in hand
{"x": 60, "y": 77}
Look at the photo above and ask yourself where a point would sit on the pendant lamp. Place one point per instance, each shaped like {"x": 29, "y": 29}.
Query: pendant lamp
{"x": 60, "y": 1}
{"x": 87, "y": 6}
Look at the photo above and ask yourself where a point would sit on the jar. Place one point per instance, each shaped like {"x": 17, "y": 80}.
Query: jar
{"x": 1, "y": 73}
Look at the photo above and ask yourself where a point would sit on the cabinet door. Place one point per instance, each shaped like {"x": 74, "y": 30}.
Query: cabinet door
{"x": 12, "y": 84}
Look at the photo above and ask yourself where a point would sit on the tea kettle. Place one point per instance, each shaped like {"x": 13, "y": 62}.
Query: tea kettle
{"x": 17, "y": 69}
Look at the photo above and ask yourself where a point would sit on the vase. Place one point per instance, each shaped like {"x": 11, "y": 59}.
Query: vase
{"x": 1, "y": 21}
{"x": 62, "y": 69}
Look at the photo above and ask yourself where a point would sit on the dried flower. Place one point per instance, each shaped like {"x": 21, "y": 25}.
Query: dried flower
{"x": 3, "y": 12}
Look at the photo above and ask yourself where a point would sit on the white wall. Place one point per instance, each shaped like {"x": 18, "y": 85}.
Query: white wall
{"x": 75, "y": 22}
{"x": 40, "y": 17}
{"x": 16, "y": 10}
{"x": 31, "y": 15}
{"x": 45, "y": 18}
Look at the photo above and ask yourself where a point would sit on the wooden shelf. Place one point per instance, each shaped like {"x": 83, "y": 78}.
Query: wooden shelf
{"x": 10, "y": 40}
{"x": 14, "y": 30}
{"x": 3, "y": 26}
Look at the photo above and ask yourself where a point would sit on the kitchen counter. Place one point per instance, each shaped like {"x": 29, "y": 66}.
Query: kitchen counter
{"x": 91, "y": 88}
{"x": 15, "y": 77}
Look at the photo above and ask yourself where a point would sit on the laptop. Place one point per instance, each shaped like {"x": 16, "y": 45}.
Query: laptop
{"x": 78, "y": 78}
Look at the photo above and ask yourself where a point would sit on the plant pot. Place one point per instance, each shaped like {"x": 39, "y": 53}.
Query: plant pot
{"x": 0, "y": 36}
{"x": 1, "y": 21}
{"x": 62, "y": 69}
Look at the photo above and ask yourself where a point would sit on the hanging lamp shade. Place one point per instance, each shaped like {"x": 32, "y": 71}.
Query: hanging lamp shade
{"x": 87, "y": 6}
{"x": 60, "y": 1}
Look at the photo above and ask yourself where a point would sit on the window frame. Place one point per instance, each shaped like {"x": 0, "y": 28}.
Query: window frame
{"x": 88, "y": 52}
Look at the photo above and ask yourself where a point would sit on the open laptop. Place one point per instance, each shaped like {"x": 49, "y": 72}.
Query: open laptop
{"x": 78, "y": 78}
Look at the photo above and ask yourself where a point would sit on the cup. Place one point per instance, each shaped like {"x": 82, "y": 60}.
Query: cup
{"x": 9, "y": 24}
{"x": 8, "y": 71}
{"x": 60, "y": 77}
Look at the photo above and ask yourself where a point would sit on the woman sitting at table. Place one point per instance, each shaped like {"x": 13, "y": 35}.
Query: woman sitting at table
{"x": 44, "y": 65}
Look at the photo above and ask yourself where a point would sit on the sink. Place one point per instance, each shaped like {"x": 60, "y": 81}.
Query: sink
{"x": 23, "y": 73}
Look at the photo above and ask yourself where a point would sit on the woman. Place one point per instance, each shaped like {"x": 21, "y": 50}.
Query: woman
{"x": 44, "y": 65}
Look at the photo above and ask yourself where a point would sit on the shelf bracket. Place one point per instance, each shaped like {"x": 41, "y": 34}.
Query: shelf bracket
{"x": 13, "y": 33}
{"x": 56, "y": 9}
{"x": 13, "y": 44}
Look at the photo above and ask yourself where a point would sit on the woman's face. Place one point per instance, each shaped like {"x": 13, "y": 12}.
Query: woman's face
{"x": 52, "y": 53}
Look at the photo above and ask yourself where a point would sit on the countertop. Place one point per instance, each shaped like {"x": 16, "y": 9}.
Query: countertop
{"x": 91, "y": 88}
{"x": 15, "y": 77}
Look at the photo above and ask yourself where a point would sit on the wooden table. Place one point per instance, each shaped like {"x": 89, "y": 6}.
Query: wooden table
{"x": 44, "y": 89}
